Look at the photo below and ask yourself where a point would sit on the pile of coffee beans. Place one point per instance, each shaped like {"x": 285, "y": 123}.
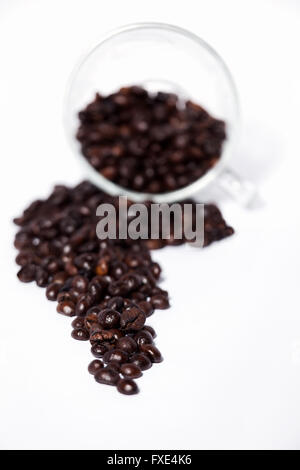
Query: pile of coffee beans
{"x": 109, "y": 286}
{"x": 149, "y": 143}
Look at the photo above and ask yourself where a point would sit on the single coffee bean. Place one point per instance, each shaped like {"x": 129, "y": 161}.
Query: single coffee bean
{"x": 52, "y": 291}
{"x": 27, "y": 273}
{"x": 109, "y": 318}
{"x": 78, "y": 322}
{"x": 127, "y": 344}
{"x": 160, "y": 301}
{"x": 107, "y": 376}
{"x": 146, "y": 307}
{"x": 84, "y": 303}
{"x": 141, "y": 360}
{"x": 132, "y": 319}
{"x": 115, "y": 355}
{"x": 143, "y": 337}
{"x": 94, "y": 366}
{"x": 127, "y": 387}
{"x": 90, "y": 319}
{"x": 152, "y": 352}
{"x": 115, "y": 303}
{"x": 41, "y": 277}
{"x": 98, "y": 349}
{"x": 114, "y": 365}
{"x": 150, "y": 330}
{"x": 131, "y": 370}
{"x": 80, "y": 283}
{"x": 80, "y": 333}
{"x": 66, "y": 308}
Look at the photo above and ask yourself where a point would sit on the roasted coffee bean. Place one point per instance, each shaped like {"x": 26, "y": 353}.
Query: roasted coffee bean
{"x": 78, "y": 322}
{"x": 85, "y": 302}
{"x": 66, "y": 308}
{"x": 127, "y": 344}
{"x": 132, "y": 319}
{"x": 155, "y": 270}
{"x": 130, "y": 370}
{"x": 150, "y": 330}
{"x": 98, "y": 349}
{"x": 109, "y": 318}
{"x": 80, "y": 333}
{"x": 114, "y": 365}
{"x": 141, "y": 360}
{"x": 41, "y": 277}
{"x": 127, "y": 387}
{"x": 152, "y": 352}
{"x": 143, "y": 337}
{"x": 80, "y": 283}
{"x": 115, "y": 355}
{"x": 115, "y": 303}
{"x": 27, "y": 273}
{"x": 94, "y": 366}
{"x": 52, "y": 291}
{"x": 107, "y": 376}
{"x": 90, "y": 319}
{"x": 60, "y": 277}
{"x": 146, "y": 307}
{"x": 160, "y": 301}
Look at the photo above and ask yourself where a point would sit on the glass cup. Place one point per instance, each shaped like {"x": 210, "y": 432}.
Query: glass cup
{"x": 159, "y": 57}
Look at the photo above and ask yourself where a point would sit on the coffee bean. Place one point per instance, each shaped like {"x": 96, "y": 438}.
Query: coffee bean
{"x": 109, "y": 318}
{"x": 152, "y": 352}
{"x": 146, "y": 307}
{"x": 150, "y": 330}
{"x": 115, "y": 355}
{"x": 127, "y": 344}
{"x": 98, "y": 350}
{"x": 80, "y": 333}
{"x": 107, "y": 376}
{"x": 78, "y": 322}
{"x": 132, "y": 319}
{"x": 141, "y": 360}
{"x": 52, "y": 291}
{"x": 66, "y": 308}
{"x": 143, "y": 337}
{"x": 130, "y": 370}
{"x": 27, "y": 273}
{"x": 94, "y": 366}
{"x": 160, "y": 301}
{"x": 127, "y": 387}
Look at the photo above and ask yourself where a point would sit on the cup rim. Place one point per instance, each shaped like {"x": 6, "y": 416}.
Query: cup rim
{"x": 171, "y": 196}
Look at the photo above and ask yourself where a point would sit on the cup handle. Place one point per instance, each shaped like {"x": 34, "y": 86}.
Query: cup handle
{"x": 242, "y": 191}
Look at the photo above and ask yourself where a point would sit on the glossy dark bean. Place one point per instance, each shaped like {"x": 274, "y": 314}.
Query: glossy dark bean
{"x": 127, "y": 344}
{"x": 130, "y": 370}
{"x": 52, "y": 291}
{"x": 150, "y": 330}
{"x": 98, "y": 350}
{"x": 94, "y": 366}
{"x": 80, "y": 283}
{"x": 27, "y": 273}
{"x": 127, "y": 387}
{"x": 114, "y": 365}
{"x": 141, "y": 360}
{"x": 115, "y": 303}
{"x": 143, "y": 337}
{"x": 107, "y": 376}
{"x": 132, "y": 319}
{"x": 66, "y": 308}
{"x": 78, "y": 322}
{"x": 115, "y": 355}
{"x": 109, "y": 318}
{"x": 81, "y": 334}
{"x": 160, "y": 302}
{"x": 152, "y": 352}
{"x": 41, "y": 277}
{"x": 84, "y": 303}
{"x": 146, "y": 307}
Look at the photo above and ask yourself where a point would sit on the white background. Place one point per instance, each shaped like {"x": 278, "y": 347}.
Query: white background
{"x": 231, "y": 341}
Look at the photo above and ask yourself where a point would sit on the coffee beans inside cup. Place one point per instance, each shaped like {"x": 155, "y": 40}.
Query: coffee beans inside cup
{"x": 150, "y": 143}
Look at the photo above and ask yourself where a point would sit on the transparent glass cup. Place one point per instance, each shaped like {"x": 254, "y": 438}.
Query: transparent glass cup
{"x": 159, "y": 57}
